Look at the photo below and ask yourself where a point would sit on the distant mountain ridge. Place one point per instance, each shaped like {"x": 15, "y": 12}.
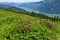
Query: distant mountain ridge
{"x": 11, "y": 7}
{"x": 46, "y": 6}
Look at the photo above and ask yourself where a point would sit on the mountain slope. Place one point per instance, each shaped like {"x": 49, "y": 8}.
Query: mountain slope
{"x": 4, "y": 6}
{"x": 46, "y": 6}
{"x": 15, "y": 26}
{"x": 12, "y": 8}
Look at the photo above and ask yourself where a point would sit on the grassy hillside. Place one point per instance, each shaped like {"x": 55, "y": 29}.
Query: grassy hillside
{"x": 15, "y": 26}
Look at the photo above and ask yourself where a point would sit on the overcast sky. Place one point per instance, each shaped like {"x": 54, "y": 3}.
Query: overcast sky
{"x": 20, "y": 1}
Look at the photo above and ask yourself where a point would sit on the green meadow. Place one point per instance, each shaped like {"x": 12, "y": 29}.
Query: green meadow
{"x": 18, "y": 26}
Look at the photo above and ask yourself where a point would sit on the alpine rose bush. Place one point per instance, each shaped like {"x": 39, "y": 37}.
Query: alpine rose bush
{"x": 51, "y": 24}
{"x": 43, "y": 20}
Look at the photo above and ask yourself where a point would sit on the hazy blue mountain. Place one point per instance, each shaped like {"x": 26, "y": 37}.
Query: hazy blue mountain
{"x": 11, "y": 7}
{"x": 46, "y": 6}
{"x": 4, "y": 6}
{"x": 16, "y": 9}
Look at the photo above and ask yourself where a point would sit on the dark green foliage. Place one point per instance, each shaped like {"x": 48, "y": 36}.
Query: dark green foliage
{"x": 55, "y": 18}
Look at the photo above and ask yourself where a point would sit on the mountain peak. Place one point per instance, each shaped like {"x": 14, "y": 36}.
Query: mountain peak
{"x": 52, "y": 1}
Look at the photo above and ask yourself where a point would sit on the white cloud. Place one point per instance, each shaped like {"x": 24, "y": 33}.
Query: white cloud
{"x": 19, "y": 0}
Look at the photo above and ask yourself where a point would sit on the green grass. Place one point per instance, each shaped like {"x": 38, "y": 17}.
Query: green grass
{"x": 11, "y": 25}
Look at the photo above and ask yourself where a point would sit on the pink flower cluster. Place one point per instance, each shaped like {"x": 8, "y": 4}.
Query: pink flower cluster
{"x": 43, "y": 20}
{"x": 51, "y": 24}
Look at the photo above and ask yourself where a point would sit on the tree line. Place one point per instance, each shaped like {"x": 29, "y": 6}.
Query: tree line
{"x": 54, "y": 18}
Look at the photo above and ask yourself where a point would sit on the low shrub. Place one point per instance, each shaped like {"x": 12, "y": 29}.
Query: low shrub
{"x": 43, "y": 20}
{"x": 51, "y": 24}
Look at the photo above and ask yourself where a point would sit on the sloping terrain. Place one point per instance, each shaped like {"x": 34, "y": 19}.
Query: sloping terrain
{"x": 12, "y": 8}
{"x": 46, "y": 6}
{"x": 51, "y": 7}
{"x": 18, "y": 26}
